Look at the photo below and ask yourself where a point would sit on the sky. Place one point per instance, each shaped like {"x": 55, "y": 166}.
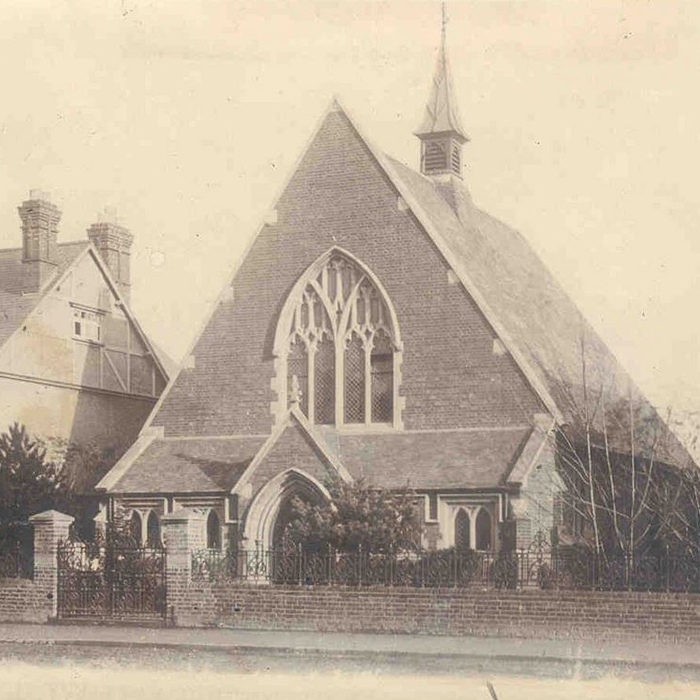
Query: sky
{"x": 187, "y": 117}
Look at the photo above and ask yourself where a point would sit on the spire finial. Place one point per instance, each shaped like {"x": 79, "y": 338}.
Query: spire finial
{"x": 441, "y": 132}
{"x": 444, "y": 23}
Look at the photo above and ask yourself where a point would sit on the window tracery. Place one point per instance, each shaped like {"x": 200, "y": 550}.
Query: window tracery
{"x": 341, "y": 345}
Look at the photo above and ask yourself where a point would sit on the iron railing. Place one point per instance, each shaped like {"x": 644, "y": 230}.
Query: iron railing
{"x": 538, "y": 567}
{"x": 107, "y": 580}
{"x": 16, "y": 560}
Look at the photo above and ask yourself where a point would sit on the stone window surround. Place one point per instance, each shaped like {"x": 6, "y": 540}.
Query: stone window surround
{"x": 472, "y": 504}
{"x": 279, "y": 382}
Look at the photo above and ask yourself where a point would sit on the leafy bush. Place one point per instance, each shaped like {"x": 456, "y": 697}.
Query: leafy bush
{"x": 357, "y": 516}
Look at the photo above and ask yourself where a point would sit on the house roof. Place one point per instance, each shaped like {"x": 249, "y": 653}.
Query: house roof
{"x": 15, "y": 306}
{"x": 183, "y": 466}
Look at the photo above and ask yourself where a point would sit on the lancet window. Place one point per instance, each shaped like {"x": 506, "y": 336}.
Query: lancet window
{"x": 339, "y": 351}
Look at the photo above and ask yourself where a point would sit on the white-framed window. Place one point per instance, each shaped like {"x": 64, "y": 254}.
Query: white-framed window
{"x": 339, "y": 347}
{"x": 87, "y": 324}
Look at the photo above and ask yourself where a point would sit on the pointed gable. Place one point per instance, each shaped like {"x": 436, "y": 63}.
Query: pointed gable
{"x": 15, "y": 306}
{"x": 341, "y": 195}
{"x": 295, "y": 447}
{"x": 77, "y": 330}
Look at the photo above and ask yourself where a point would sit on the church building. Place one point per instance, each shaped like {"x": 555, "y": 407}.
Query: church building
{"x": 379, "y": 327}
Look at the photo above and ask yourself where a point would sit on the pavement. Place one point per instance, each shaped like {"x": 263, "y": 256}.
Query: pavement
{"x": 642, "y": 653}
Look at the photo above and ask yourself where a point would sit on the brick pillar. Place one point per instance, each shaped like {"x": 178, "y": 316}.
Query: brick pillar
{"x": 184, "y": 533}
{"x": 50, "y": 528}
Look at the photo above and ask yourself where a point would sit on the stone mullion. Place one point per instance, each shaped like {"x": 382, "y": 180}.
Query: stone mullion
{"x": 472, "y": 527}
{"x": 311, "y": 382}
{"x": 368, "y": 382}
{"x": 339, "y": 379}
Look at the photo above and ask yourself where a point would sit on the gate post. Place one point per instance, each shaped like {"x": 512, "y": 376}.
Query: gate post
{"x": 183, "y": 532}
{"x": 50, "y": 528}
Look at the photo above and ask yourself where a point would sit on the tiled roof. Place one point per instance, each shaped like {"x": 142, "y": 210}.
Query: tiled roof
{"x": 181, "y": 466}
{"x": 469, "y": 459}
{"x": 542, "y": 321}
{"x": 424, "y": 460}
{"x": 15, "y": 306}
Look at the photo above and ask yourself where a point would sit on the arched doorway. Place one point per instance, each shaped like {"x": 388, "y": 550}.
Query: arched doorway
{"x": 271, "y": 511}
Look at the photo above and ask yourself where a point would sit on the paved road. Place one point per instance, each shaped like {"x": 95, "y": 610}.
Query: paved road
{"x": 304, "y": 652}
{"x": 87, "y": 669}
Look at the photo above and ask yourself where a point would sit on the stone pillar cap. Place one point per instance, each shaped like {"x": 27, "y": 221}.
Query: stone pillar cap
{"x": 51, "y": 516}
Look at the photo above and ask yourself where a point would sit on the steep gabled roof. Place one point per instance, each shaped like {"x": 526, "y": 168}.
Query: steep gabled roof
{"x": 537, "y": 322}
{"x": 545, "y": 331}
{"x": 15, "y": 306}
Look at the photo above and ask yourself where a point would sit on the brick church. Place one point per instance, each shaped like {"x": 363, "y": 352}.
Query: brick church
{"x": 380, "y": 326}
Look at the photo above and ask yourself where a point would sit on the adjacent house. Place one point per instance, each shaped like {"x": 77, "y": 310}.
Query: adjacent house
{"x": 74, "y": 363}
{"x": 380, "y": 326}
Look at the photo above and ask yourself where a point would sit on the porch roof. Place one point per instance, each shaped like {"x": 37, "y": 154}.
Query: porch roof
{"x": 434, "y": 460}
{"x": 189, "y": 466}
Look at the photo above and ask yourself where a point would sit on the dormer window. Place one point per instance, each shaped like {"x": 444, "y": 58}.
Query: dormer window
{"x": 87, "y": 325}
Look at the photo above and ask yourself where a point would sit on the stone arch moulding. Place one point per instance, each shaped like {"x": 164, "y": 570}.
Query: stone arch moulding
{"x": 262, "y": 513}
{"x": 472, "y": 510}
{"x": 337, "y": 314}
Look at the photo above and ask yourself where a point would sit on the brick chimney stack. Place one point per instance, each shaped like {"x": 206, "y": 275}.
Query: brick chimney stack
{"x": 113, "y": 242}
{"x": 40, "y": 219}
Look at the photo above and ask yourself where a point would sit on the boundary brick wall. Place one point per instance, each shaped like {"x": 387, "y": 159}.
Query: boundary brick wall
{"x": 24, "y": 600}
{"x": 570, "y": 614}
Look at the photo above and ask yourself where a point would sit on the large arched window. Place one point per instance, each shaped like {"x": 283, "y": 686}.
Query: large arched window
{"x": 483, "y": 530}
{"x": 338, "y": 346}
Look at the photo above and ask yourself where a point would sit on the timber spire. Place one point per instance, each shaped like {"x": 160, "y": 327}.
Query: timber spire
{"x": 441, "y": 132}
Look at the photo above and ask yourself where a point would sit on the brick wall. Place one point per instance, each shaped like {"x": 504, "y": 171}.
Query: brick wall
{"x": 22, "y": 600}
{"x": 339, "y": 196}
{"x": 430, "y": 611}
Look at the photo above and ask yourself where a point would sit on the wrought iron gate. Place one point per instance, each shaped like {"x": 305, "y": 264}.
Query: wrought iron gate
{"x": 108, "y": 581}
